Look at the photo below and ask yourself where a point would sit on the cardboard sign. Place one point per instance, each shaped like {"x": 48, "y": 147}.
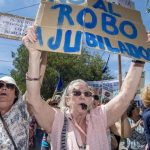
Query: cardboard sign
{"x": 105, "y": 26}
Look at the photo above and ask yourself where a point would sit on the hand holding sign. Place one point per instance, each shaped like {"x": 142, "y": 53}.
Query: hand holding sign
{"x": 105, "y": 26}
{"x": 30, "y": 38}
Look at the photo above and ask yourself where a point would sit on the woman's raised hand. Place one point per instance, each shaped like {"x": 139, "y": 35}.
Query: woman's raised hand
{"x": 30, "y": 38}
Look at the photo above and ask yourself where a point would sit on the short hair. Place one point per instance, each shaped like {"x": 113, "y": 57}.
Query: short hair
{"x": 130, "y": 109}
{"x": 145, "y": 96}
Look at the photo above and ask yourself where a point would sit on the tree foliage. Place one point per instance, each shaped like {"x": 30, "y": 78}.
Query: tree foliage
{"x": 70, "y": 67}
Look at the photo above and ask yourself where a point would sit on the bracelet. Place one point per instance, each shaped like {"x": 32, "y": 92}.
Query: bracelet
{"x": 32, "y": 79}
{"x": 138, "y": 61}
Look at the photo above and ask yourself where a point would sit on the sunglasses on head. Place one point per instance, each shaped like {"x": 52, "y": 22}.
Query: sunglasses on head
{"x": 7, "y": 85}
{"x": 79, "y": 93}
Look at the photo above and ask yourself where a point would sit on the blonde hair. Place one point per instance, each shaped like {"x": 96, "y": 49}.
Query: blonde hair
{"x": 62, "y": 103}
{"x": 145, "y": 96}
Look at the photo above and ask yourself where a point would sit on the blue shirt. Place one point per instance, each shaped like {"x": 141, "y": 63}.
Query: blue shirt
{"x": 146, "y": 119}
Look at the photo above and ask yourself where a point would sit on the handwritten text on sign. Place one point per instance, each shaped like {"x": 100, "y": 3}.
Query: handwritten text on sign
{"x": 105, "y": 26}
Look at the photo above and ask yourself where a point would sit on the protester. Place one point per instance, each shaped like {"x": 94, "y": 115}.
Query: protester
{"x": 116, "y": 131}
{"x": 145, "y": 96}
{"x": 80, "y": 126}
{"x": 14, "y": 117}
{"x": 96, "y": 101}
{"x": 137, "y": 140}
{"x": 54, "y": 101}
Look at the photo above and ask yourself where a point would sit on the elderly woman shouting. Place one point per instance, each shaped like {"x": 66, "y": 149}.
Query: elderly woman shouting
{"x": 14, "y": 117}
{"x": 80, "y": 127}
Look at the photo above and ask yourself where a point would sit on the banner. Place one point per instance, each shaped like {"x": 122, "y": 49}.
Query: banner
{"x": 12, "y": 26}
{"x": 106, "y": 89}
{"x": 105, "y": 26}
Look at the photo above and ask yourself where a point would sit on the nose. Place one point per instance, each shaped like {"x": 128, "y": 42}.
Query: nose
{"x": 82, "y": 95}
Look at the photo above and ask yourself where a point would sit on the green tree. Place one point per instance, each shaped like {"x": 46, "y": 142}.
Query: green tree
{"x": 70, "y": 67}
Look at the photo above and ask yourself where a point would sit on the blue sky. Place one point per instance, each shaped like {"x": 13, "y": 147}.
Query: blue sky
{"x": 6, "y": 46}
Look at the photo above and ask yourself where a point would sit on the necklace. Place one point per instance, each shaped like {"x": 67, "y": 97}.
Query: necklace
{"x": 75, "y": 124}
{"x": 81, "y": 146}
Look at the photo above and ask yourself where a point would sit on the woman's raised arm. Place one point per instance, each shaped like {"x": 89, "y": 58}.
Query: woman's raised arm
{"x": 43, "y": 113}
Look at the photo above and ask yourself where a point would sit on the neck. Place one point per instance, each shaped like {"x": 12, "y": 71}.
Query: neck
{"x": 4, "y": 110}
{"x": 79, "y": 122}
{"x": 79, "y": 118}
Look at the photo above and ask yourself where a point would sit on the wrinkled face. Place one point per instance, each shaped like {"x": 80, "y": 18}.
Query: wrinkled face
{"x": 80, "y": 98}
{"x": 7, "y": 96}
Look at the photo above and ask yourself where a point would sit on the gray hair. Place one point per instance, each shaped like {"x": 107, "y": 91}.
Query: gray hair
{"x": 63, "y": 106}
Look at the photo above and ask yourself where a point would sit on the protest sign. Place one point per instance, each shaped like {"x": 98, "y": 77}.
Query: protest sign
{"x": 105, "y": 26}
{"x": 106, "y": 89}
{"x": 12, "y": 26}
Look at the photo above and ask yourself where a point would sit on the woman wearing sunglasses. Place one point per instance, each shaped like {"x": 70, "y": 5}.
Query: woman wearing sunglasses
{"x": 14, "y": 117}
{"x": 78, "y": 126}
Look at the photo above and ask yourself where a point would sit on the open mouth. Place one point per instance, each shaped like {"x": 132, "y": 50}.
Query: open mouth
{"x": 3, "y": 94}
{"x": 83, "y": 106}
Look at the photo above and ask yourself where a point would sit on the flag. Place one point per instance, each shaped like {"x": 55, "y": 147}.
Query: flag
{"x": 13, "y": 54}
{"x": 106, "y": 65}
{"x": 59, "y": 84}
{"x": 104, "y": 69}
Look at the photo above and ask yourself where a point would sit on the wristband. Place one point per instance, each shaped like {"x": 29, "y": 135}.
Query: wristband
{"x": 138, "y": 61}
{"x": 32, "y": 79}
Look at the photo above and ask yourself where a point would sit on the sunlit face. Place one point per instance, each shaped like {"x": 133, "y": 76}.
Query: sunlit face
{"x": 7, "y": 96}
{"x": 79, "y": 94}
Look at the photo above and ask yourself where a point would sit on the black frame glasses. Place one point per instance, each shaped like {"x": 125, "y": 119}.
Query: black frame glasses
{"x": 79, "y": 93}
{"x": 7, "y": 85}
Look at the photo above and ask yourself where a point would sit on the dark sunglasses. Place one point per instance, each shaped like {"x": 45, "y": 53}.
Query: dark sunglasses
{"x": 78, "y": 93}
{"x": 96, "y": 97}
{"x": 7, "y": 85}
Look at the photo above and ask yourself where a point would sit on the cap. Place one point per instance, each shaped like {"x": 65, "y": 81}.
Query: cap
{"x": 9, "y": 79}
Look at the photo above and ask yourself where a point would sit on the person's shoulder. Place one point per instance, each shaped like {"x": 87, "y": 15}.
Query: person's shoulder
{"x": 146, "y": 112}
{"x": 146, "y": 115}
{"x": 98, "y": 110}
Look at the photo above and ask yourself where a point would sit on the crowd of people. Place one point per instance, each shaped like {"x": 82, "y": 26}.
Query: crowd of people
{"x": 79, "y": 121}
